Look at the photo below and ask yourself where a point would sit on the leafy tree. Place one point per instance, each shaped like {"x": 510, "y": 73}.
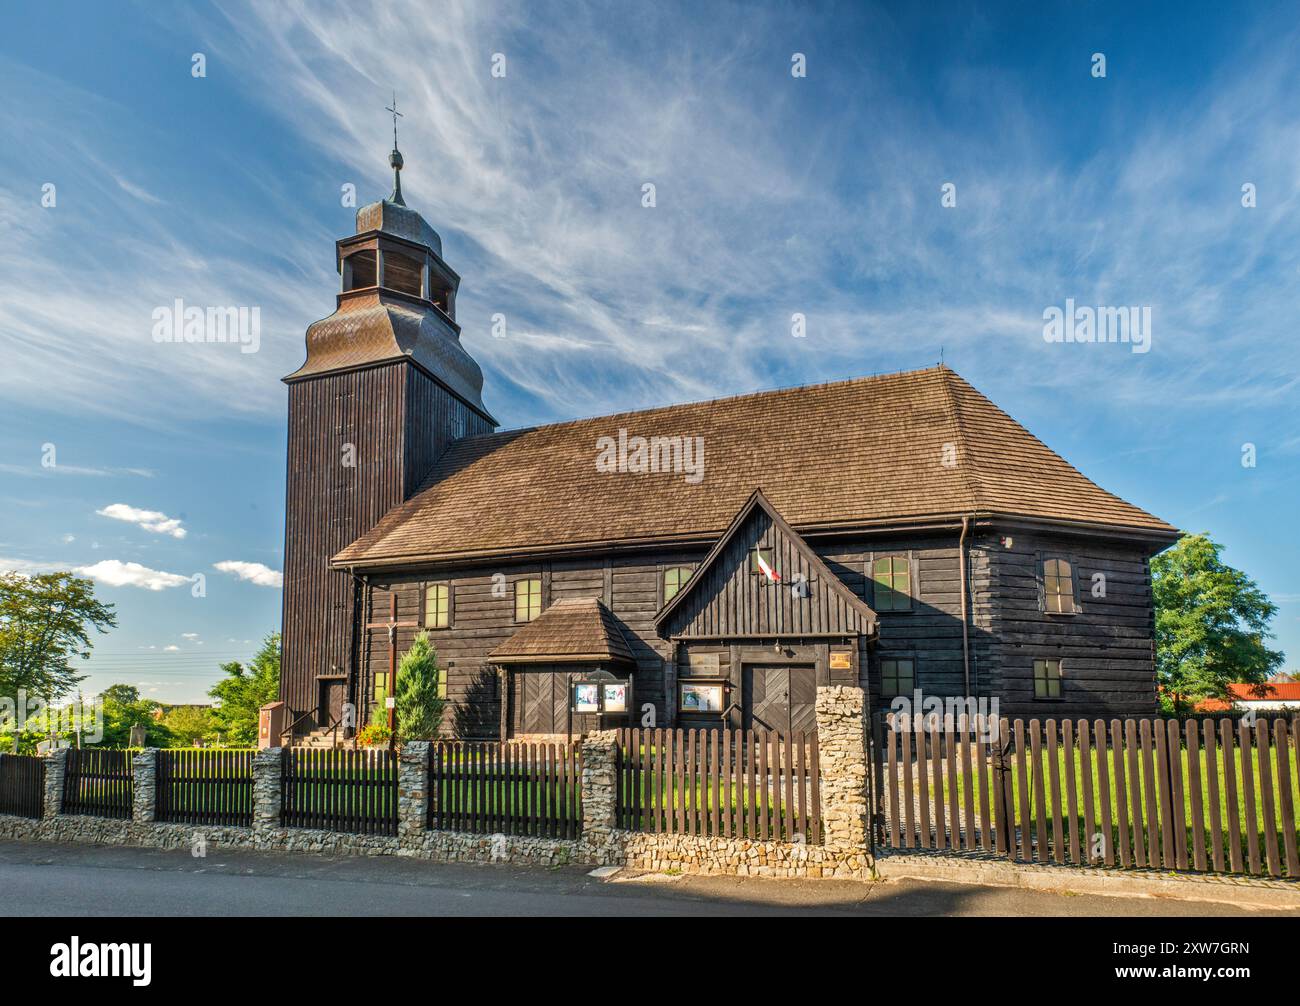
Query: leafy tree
{"x": 1211, "y": 623}
{"x": 45, "y": 620}
{"x": 241, "y": 695}
{"x": 188, "y": 724}
{"x": 419, "y": 708}
{"x": 123, "y": 709}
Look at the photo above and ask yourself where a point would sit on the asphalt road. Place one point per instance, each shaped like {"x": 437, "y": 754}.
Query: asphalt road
{"x": 43, "y": 879}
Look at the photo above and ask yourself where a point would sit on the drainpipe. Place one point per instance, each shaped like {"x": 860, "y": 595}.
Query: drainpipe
{"x": 965, "y": 621}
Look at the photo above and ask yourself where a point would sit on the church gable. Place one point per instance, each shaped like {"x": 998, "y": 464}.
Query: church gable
{"x": 733, "y": 595}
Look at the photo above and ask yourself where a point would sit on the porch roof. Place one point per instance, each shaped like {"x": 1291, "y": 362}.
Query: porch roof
{"x": 579, "y": 629}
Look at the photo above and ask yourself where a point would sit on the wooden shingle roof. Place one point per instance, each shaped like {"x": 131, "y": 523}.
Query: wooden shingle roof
{"x": 896, "y": 447}
{"x": 571, "y": 629}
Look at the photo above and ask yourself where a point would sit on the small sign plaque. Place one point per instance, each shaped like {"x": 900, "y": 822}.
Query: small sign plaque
{"x": 704, "y": 663}
{"x": 841, "y": 660}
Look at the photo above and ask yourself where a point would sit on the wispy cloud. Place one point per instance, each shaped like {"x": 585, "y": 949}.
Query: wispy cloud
{"x": 254, "y": 572}
{"x": 116, "y": 573}
{"x": 150, "y": 520}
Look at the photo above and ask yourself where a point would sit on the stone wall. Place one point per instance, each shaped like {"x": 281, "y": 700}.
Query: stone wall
{"x": 842, "y": 741}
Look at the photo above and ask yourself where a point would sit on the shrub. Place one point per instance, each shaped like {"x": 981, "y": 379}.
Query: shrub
{"x": 419, "y": 708}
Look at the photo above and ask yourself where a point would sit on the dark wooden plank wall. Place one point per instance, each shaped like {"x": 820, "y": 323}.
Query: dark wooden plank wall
{"x": 1003, "y": 598}
{"x": 398, "y": 420}
{"x": 1106, "y": 649}
{"x": 930, "y": 633}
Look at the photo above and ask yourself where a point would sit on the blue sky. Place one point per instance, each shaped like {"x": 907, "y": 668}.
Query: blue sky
{"x": 775, "y": 195}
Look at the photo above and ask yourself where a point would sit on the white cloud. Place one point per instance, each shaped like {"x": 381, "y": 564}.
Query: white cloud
{"x": 191, "y": 636}
{"x": 255, "y": 572}
{"x": 150, "y": 520}
{"x": 68, "y": 539}
{"x": 171, "y": 649}
{"x": 116, "y": 573}
{"x": 27, "y": 567}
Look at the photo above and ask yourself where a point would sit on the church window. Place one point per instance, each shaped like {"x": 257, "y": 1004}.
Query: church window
{"x": 891, "y": 576}
{"x": 1058, "y": 587}
{"x": 437, "y": 606}
{"x": 1047, "y": 679}
{"x": 528, "y": 599}
{"x": 897, "y": 677}
{"x": 675, "y": 578}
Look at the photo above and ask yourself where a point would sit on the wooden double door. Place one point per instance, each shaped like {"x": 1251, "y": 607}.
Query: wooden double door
{"x": 541, "y": 702}
{"x": 780, "y": 697}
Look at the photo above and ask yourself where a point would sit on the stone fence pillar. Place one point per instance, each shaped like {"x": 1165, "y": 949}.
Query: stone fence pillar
{"x": 599, "y": 749}
{"x": 412, "y": 788}
{"x": 56, "y": 769}
{"x": 842, "y": 742}
{"x": 268, "y": 767}
{"x": 144, "y": 787}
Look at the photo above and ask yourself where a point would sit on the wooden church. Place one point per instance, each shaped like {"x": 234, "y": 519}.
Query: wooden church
{"x": 900, "y": 532}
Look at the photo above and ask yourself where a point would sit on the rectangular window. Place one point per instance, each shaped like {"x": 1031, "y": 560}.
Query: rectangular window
{"x": 897, "y": 677}
{"x": 759, "y": 556}
{"x": 1047, "y": 679}
{"x": 892, "y": 579}
{"x": 1058, "y": 587}
{"x": 674, "y": 580}
{"x": 528, "y": 599}
{"x": 437, "y": 606}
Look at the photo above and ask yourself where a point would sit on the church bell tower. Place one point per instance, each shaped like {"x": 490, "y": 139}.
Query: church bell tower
{"x": 385, "y": 387}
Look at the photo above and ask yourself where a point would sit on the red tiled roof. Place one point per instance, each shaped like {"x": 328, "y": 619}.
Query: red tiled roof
{"x": 910, "y": 446}
{"x": 1273, "y": 691}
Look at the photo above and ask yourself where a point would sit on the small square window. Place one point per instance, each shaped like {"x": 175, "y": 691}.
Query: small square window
{"x": 897, "y": 677}
{"x": 437, "y": 606}
{"x": 892, "y": 577}
{"x": 1047, "y": 679}
{"x": 528, "y": 599}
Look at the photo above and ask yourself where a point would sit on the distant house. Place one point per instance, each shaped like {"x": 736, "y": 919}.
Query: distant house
{"x": 1273, "y": 696}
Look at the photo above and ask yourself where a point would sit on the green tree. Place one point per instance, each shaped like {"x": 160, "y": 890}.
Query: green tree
{"x": 419, "y": 706}
{"x": 123, "y": 709}
{"x": 241, "y": 695}
{"x": 1211, "y": 623}
{"x": 45, "y": 621}
{"x": 188, "y": 724}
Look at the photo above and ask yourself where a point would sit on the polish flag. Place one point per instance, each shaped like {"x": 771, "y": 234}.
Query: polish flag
{"x": 768, "y": 571}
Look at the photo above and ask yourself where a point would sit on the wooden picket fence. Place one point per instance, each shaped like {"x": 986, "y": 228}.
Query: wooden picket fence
{"x": 99, "y": 782}
{"x": 339, "y": 790}
{"x": 22, "y": 785}
{"x": 752, "y": 784}
{"x": 199, "y": 786}
{"x": 509, "y": 789}
{"x": 1176, "y": 795}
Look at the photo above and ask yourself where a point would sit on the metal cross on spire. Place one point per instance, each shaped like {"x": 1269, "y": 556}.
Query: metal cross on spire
{"x": 396, "y": 115}
{"x": 395, "y": 158}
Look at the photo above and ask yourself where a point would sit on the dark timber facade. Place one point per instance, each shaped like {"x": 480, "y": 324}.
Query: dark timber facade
{"x": 899, "y": 532}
